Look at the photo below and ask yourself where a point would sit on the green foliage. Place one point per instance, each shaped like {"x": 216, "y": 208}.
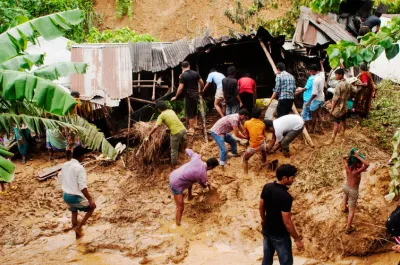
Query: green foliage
{"x": 10, "y": 9}
{"x": 57, "y": 70}
{"x": 394, "y": 172}
{"x": 123, "y": 7}
{"x": 122, "y": 35}
{"x": 325, "y": 6}
{"x": 371, "y": 46}
{"x": 25, "y": 61}
{"x": 285, "y": 25}
{"x": 384, "y": 119}
{"x": 241, "y": 16}
{"x": 393, "y": 5}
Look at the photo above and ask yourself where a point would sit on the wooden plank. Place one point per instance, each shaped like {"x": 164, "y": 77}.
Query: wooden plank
{"x": 268, "y": 56}
{"x": 305, "y": 132}
{"x": 146, "y": 81}
{"x": 153, "y": 97}
{"x": 129, "y": 130}
{"x": 150, "y": 86}
{"x": 203, "y": 113}
{"x": 48, "y": 171}
{"x": 172, "y": 79}
{"x": 142, "y": 100}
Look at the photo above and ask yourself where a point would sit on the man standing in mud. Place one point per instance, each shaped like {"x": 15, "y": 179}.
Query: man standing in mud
{"x": 189, "y": 82}
{"x": 194, "y": 171}
{"x": 276, "y": 218}
{"x": 354, "y": 164}
{"x": 75, "y": 192}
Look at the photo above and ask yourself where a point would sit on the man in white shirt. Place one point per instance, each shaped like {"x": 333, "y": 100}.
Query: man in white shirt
{"x": 284, "y": 130}
{"x": 317, "y": 98}
{"x": 216, "y": 78}
{"x": 75, "y": 192}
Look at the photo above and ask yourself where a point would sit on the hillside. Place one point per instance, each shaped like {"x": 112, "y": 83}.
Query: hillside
{"x": 171, "y": 20}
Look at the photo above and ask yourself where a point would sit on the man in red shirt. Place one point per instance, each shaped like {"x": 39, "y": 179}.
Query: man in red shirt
{"x": 247, "y": 92}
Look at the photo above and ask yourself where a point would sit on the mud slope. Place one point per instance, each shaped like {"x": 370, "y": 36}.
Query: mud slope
{"x": 170, "y": 20}
{"x": 134, "y": 222}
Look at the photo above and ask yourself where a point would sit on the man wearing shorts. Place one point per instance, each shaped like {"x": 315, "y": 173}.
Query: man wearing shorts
{"x": 354, "y": 164}
{"x": 317, "y": 98}
{"x": 189, "y": 81}
{"x": 339, "y": 104}
{"x": 194, "y": 171}
{"x": 176, "y": 127}
{"x": 216, "y": 78}
{"x": 75, "y": 192}
{"x": 307, "y": 93}
{"x": 255, "y": 130}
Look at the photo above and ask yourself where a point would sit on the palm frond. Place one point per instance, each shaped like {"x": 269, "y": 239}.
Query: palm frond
{"x": 43, "y": 93}
{"x": 88, "y": 133}
{"x": 25, "y": 61}
{"x": 57, "y": 70}
{"x": 13, "y": 41}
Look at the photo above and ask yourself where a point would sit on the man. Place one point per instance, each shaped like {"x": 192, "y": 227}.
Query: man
{"x": 276, "y": 218}
{"x": 255, "y": 130}
{"x": 354, "y": 164}
{"x": 220, "y": 132}
{"x": 284, "y": 130}
{"x": 194, "y": 171}
{"x": 231, "y": 92}
{"x": 285, "y": 86}
{"x": 307, "y": 92}
{"x": 370, "y": 23}
{"x": 317, "y": 99}
{"x": 190, "y": 81}
{"x": 339, "y": 104}
{"x": 75, "y": 192}
{"x": 216, "y": 78}
{"x": 247, "y": 92}
{"x": 178, "y": 130}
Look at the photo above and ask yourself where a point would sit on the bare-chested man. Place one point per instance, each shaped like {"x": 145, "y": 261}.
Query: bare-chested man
{"x": 354, "y": 164}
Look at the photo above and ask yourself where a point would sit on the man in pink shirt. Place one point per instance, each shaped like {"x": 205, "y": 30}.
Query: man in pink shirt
{"x": 247, "y": 92}
{"x": 220, "y": 132}
{"x": 194, "y": 171}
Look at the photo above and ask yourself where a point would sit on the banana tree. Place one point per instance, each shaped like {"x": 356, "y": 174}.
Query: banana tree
{"x": 29, "y": 96}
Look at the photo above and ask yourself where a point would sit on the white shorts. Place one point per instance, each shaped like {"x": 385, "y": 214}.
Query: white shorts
{"x": 219, "y": 94}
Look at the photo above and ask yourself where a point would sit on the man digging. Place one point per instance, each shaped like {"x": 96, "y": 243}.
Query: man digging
{"x": 354, "y": 164}
{"x": 75, "y": 192}
{"x": 194, "y": 171}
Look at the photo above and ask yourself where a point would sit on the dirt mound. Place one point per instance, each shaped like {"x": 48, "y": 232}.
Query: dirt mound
{"x": 170, "y": 20}
{"x": 134, "y": 221}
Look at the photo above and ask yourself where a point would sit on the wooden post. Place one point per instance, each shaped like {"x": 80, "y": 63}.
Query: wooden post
{"x": 172, "y": 80}
{"x": 268, "y": 56}
{"x": 305, "y": 132}
{"x": 153, "y": 97}
{"x": 139, "y": 82}
{"x": 129, "y": 130}
{"x": 142, "y": 101}
{"x": 203, "y": 113}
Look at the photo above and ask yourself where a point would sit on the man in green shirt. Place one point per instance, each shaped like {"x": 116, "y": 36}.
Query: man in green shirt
{"x": 178, "y": 130}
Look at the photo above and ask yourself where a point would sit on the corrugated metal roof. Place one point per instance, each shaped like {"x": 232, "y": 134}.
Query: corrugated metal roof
{"x": 312, "y": 29}
{"x": 109, "y": 75}
{"x": 155, "y": 56}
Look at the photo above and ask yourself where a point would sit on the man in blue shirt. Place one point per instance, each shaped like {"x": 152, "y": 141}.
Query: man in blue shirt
{"x": 307, "y": 93}
{"x": 216, "y": 78}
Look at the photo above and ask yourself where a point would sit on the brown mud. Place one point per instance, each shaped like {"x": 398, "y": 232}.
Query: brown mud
{"x": 170, "y": 20}
{"x": 134, "y": 219}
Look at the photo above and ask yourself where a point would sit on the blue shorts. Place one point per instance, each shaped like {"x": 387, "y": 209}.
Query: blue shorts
{"x": 316, "y": 104}
{"x": 174, "y": 191}
{"x": 76, "y": 203}
{"x": 306, "y": 113}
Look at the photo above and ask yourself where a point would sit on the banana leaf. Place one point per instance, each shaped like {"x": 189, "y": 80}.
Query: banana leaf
{"x": 13, "y": 41}
{"x": 7, "y": 169}
{"x": 41, "y": 92}
{"x": 88, "y": 133}
{"x": 25, "y": 61}
{"x": 54, "y": 71}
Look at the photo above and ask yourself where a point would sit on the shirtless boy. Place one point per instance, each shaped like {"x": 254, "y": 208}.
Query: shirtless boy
{"x": 354, "y": 165}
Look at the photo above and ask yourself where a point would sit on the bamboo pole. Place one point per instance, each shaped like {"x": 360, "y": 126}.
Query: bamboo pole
{"x": 129, "y": 129}
{"x": 143, "y": 101}
{"x": 203, "y": 113}
{"x": 172, "y": 80}
{"x": 139, "y": 82}
{"x": 271, "y": 61}
{"x": 150, "y": 86}
{"x": 153, "y": 97}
